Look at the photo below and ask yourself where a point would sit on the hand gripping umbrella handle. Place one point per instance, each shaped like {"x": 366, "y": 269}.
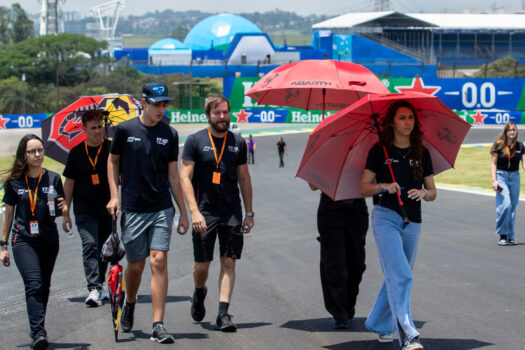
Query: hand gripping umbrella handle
{"x": 401, "y": 204}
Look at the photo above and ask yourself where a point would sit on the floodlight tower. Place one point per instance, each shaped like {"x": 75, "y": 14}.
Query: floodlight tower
{"x": 51, "y": 17}
{"x": 107, "y": 15}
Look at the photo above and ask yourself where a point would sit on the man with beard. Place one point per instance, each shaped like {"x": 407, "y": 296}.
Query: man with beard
{"x": 213, "y": 168}
{"x": 144, "y": 153}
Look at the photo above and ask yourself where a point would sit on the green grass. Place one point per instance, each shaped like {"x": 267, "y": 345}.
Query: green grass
{"x": 141, "y": 40}
{"x": 472, "y": 169}
{"x": 293, "y": 37}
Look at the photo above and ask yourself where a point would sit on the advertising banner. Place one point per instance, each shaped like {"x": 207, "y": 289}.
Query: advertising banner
{"x": 477, "y": 100}
{"x": 22, "y": 121}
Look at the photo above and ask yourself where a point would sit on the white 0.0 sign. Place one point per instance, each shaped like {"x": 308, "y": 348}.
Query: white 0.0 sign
{"x": 471, "y": 98}
{"x": 25, "y": 121}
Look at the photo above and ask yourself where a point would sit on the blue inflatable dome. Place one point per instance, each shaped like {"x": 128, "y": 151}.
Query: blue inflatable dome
{"x": 168, "y": 44}
{"x": 218, "y": 31}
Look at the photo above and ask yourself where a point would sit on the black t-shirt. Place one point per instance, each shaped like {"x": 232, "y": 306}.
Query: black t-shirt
{"x": 215, "y": 199}
{"x": 89, "y": 199}
{"x": 145, "y": 153}
{"x": 503, "y": 162}
{"x": 281, "y": 146}
{"x": 404, "y": 174}
{"x": 16, "y": 194}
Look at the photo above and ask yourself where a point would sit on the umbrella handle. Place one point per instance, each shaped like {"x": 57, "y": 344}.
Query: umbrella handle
{"x": 114, "y": 225}
{"x": 401, "y": 204}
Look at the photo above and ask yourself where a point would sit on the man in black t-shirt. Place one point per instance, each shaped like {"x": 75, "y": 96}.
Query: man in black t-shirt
{"x": 87, "y": 185}
{"x": 281, "y": 149}
{"x": 213, "y": 168}
{"x": 144, "y": 153}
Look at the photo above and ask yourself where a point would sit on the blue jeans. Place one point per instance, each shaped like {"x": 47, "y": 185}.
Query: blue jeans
{"x": 507, "y": 202}
{"x": 397, "y": 247}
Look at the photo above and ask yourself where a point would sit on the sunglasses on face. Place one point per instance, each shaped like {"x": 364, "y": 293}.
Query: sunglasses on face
{"x": 34, "y": 151}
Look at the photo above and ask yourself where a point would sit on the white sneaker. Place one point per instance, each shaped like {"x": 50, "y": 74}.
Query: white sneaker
{"x": 413, "y": 344}
{"x": 94, "y": 298}
{"x": 104, "y": 295}
{"x": 385, "y": 338}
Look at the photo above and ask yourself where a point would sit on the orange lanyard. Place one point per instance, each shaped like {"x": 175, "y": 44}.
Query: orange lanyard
{"x": 93, "y": 163}
{"x": 508, "y": 153}
{"x": 32, "y": 201}
{"x": 218, "y": 160}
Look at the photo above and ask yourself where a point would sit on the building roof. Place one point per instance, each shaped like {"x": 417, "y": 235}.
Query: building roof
{"x": 496, "y": 21}
{"x": 474, "y": 20}
{"x": 217, "y": 31}
{"x": 167, "y": 44}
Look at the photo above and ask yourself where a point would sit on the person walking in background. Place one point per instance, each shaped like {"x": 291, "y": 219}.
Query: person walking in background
{"x": 342, "y": 227}
{"x": 30, "y": 212}
{"x": 396, "y": 238}
{"x": 281, "y": 149}
{"x": 507, "y": 153}
{"x": 144, "y": 152}
{"x": 251, "y": 149}
{"x": 213, "y": 168}
{"x": 87, "y": 185}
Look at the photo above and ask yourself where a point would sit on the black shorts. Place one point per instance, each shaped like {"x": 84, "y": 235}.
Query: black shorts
{"x": 229, "y": 229}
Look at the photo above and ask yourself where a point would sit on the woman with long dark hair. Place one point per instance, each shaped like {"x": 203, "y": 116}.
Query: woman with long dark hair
{"x": 396, "y": 237}
{"x": 507, "y": 153}
{"x": 30, "y": 216}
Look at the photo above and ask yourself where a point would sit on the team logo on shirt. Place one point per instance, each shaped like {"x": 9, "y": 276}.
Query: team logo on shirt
{"x": 21, "y": 191}
{"x": 161, "y": 141}
{"x": 132, "y": 139}
{"x": 234, "y": 149}
{"x": 207, "y": 148}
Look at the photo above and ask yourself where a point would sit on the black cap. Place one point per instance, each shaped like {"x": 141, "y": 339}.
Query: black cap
{"x": 155, "y": 92}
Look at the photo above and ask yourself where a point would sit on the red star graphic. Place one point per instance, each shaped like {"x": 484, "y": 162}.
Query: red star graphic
{"x": 419, "y": 86}
{"x": 3, "y": 121}
{"x": 242, "y": 116}
{"x": 478, "y": 118}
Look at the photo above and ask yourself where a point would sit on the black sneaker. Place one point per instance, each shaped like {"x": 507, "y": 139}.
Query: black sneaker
{"x": 126, "y": 320}
{"x": 161, "y": 335}
{"x": 225, "y": 323}
{"x": 342, "y": 324}
{"x": 40, "y": 343}
{"x": 198, "y": 311}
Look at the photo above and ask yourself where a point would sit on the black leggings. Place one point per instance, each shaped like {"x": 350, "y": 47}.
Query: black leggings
{"x": 35, "y": 263}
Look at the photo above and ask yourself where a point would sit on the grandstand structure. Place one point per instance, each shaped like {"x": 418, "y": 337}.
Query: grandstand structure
{"x": 443, "y": 38}
{"x": 107, "y": 16}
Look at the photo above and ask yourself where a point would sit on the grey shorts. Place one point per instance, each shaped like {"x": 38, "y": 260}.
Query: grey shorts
{"x": 142, "y": 232}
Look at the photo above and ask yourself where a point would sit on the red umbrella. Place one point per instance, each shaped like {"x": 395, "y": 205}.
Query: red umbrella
{"x": 63, "y": 131}
{"x": 112, "y": 252}
{"x": 337, "y": 149}
{"x": 316, "y": 84}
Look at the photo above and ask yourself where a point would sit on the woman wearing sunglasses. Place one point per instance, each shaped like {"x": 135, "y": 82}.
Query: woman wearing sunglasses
{"x": 29, "y": 219}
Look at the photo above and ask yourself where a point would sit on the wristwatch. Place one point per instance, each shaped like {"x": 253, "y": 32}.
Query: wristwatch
{"x": 250, "y": 213}
{"x": 4, "y": 243}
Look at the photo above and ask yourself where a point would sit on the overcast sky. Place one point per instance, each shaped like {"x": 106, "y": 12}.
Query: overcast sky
{"x": 330, "y": 7}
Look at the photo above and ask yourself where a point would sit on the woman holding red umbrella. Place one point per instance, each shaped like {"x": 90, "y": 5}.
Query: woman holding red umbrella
{"x": 399, "y": 166}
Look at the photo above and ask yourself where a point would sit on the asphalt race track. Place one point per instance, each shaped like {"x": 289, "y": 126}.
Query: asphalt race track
{"x": 468, "y": 292}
